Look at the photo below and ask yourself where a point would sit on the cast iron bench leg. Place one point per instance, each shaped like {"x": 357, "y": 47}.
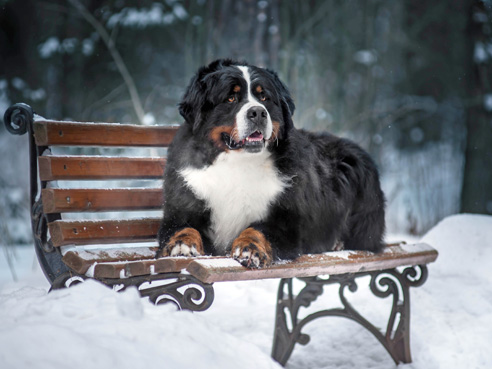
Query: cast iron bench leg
{"x": 184, "y": 290}
{"x": 396, "y": 338}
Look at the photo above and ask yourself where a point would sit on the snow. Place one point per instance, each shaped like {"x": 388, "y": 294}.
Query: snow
{"x": 92, "y": 326}
{"x": 110, "y": 252}
{"x": 52, "y": 45}
{"x": 366, "y": 57}
{"x": 90, "y": 271}
{"x": 419, "y": 247}
{"x": 149, "y": 119}
{"x": 487, "y": 102}
{"x": 480, "y": 55}
{"x": 49, "y": 47}
{"x": 147, "y": 17}
{"x": 482, "y": 52}
{"x": 345, "y": 254}
{"x": 219, "y": 263}
{"x": 438, "y": 192}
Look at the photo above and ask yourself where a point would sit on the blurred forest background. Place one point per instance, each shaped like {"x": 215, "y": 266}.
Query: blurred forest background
{"x": 409, "y": 80}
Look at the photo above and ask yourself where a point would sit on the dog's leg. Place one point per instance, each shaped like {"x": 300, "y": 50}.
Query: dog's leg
{"x": 185, "y": 242}
{"x": 252, "y": 249}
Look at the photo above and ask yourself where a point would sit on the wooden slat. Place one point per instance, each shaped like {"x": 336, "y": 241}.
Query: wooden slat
{"x": 57, "y": 200}
{"x": 53, "y": 168}
{"x": 81, "y": 260}
{"x": 341, "y": 262}
{"x": 118, "y": 262}
{"x": 49, "y": 133}
{"x": 103, "y": 231}
{"x": 138, "y": 268}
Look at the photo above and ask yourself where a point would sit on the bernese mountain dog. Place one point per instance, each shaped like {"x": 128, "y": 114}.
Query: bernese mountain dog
{"x": 241, "y": 180}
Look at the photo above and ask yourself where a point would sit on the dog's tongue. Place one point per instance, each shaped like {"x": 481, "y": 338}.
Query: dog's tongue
{"x": 255, "y": 136}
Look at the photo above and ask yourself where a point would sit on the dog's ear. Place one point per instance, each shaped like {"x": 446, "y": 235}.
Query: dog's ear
{"x": 286, "y": 101}
{"x": 284, "y": 94}
{"x": 192, "y": 102}
{"x": 287, "y": 115}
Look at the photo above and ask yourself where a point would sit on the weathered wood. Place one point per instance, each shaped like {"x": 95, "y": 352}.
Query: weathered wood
{"x": 57, "y": 200}
{"x": 121, "y": 263}
{"x": 139, "y": 268}
{"x": 53, "y": 168}
{"x": 103, "y": 231}
{"x": 49, "y": 133}
{"x": 125, "y": 270}
{"x": 80, "y": 259}
{"x": 118, "y": 262}
{"x": 341, "y": 262}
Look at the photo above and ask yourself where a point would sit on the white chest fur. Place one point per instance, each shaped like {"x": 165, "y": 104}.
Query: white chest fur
{"x": 238, "y": 189}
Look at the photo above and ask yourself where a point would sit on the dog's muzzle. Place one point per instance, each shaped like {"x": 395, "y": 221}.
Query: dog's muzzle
{"x": 257, "y": 117}
{"x": 254, "y": 129}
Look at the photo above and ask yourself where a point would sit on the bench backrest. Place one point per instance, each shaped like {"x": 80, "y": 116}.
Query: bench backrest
{"x": 76, "y": 187}
{"x": 110, "y": 168}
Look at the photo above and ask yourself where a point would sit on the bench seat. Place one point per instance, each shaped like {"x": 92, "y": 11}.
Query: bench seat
{"x": 138, "y": 261}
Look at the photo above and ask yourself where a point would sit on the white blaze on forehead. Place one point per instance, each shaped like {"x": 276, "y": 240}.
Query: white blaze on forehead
{"x": 247, "y": 77}
{"x": 242, "y": 125}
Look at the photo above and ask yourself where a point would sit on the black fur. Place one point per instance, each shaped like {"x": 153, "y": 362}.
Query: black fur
{"x": 335, "y": 193}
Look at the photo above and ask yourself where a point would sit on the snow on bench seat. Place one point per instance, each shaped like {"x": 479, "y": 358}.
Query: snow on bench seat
{"x": 338, "y": 262}
{"x": 121, "y": 263}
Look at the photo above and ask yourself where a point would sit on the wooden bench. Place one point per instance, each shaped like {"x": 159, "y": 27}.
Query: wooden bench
{"x": 70, "y": 186}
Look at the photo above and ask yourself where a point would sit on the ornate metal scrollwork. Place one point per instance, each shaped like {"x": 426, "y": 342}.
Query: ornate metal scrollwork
{"x": 66, "y": 280}
{"x": 385, "y": 283}
{"x": 415, "y": 276}
{"x": 184, "y": 290}
{"x": 18, "y": 118}
{"x": 191, "y": 298}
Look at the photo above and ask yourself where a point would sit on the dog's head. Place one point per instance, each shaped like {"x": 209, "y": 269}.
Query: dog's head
{"x": 238, "y": 106}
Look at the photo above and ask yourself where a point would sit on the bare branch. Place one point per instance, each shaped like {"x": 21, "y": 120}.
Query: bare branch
{"x": 120, "y": 64}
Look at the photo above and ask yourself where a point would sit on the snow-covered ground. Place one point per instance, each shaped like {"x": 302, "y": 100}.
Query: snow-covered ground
{"x": 90, "y": 326}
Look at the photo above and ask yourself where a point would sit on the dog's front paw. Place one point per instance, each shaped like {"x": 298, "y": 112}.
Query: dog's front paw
{"x": 180, "y": 249}
{"x": 252, "y": 249}
{"x": 186, "y": 242}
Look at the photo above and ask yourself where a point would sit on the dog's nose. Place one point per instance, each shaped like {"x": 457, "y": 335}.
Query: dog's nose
{"x": 257, "y": 115}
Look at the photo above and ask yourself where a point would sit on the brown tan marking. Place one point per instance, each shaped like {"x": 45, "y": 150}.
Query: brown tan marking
{"x": 216, "y": 135}
{"x": 275, "y": 130}
{"x": 237, "y": 88}
{"x": 259, "y": 89}
{"x": 188, "y": 236}
{"x": 252, "y": 241}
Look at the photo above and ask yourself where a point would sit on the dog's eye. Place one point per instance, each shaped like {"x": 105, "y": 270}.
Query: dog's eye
{"x": 263, "y": 97}
{"x": 231, "y": 98}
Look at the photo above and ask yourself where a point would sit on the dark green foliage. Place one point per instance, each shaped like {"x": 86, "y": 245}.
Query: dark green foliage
{"x": 399, "y": 77}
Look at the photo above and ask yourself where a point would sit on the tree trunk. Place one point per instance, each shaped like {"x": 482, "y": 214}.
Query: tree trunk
{"x": 477, "y": 183}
